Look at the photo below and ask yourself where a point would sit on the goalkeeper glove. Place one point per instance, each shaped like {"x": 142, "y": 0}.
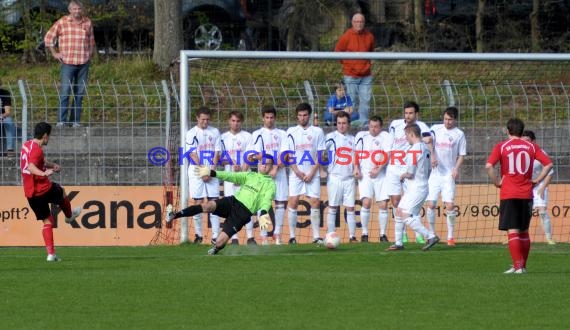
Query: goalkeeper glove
{"x": 202, "y": 170}
{"x": 264, "y": 222}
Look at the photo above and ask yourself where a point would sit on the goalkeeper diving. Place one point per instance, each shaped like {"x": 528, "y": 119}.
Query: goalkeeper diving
{"x": 255, "y": 194}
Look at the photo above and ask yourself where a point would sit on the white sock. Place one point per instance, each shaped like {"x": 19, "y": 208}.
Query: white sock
{"x": 249, "y": 228}
{"x": 331, "y": 217}
{"x": 364, "y": 220}
{"x": 398, "y": 230}
{"x": 198, "y": 224}
{"x": 383, "y": 221}
{"x": 292, "y": 218}
{"x": 451, "y": 216}
{"x": 315, "y": 222}
{"x": 215, "y": 222}
{"x": 419, "y": 220}
{"x": 546, "y": 224}
{"x": 430, "y": 215}
{"x": 279, "y": 215}
{"x": 417, "y": 226}
{"x": 351, "y": 222}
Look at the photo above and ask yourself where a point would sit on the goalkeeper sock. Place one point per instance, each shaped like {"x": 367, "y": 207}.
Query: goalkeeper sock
{"x": 364, "y": 220}
{"x": 292, "y": 218}
{"x": 430, "y": 215}
{"x": 383, "y": 221}
{"x": 189, "y": 211}
{"x": 331, "y": 217}
{"x": 315, "y": 222}
{"x": 525, "y": 246}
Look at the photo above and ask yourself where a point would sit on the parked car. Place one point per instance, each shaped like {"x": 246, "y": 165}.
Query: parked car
{"x": 207, "y": 24}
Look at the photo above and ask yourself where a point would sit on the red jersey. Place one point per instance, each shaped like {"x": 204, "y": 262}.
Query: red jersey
{"x": 352, "y": 41}
{"x": 34, "y": 185}
{"x": 516, "y": 157}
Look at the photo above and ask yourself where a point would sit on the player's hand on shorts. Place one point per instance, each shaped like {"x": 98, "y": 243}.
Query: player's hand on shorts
{"x": 202, "y": 171}
{"x": 264, "y": 222}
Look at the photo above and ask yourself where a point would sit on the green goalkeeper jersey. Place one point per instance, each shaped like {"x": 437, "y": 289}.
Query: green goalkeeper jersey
{"x": 256, "y": 191}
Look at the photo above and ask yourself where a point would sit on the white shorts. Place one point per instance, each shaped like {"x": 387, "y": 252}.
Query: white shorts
{"x": 368, "y": 188}
{"x": 537, "y": 201}
{"x": 309, "y": 189}
{"x": 413, "y": 200}
{"x": 281, "y": 194}
{"x": 199, "y": 189}
{"x": 341, "y": 190}
{"x": 392, "y": 186}
{"x": 441, "y": 184}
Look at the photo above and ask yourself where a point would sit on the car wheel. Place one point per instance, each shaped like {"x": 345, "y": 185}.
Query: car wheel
{"x": 207, "y": 37}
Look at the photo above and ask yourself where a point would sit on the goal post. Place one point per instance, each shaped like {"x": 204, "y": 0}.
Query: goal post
{"x": 377, "y": 57}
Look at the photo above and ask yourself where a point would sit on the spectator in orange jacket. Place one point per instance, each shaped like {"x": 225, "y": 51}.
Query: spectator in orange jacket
{"x": 357, "y": 75}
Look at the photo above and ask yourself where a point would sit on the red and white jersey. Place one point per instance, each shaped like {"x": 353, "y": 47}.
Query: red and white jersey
{"x": 418, "y": 163}
{"x": 203, "y": 142}
{"x": 233, "y": 147}
{"x": 516, "y": 157}
{"x": 365, "y": 142}
{"x": 32, "y": 153}
{"x": 398, "y": 135}
{"x": 333, "y": 142}
{"x": 449, "y": 144}
{"x": 305, "y": 143}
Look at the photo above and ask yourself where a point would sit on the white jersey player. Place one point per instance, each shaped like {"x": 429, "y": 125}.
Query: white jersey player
{"x": 540, "y": 192}
{"x": 374, "y": 146}
{"x": 450, "y": 148}
{"x": 392, "y": 185}
{"x": 269, "y": 140}
{"x": 416, "y": 175}
{"x": 340, "y": 183}
{"x": 235, "y": 144}
{"x": 203, "y": 147}
{"x": 301, "y": 152}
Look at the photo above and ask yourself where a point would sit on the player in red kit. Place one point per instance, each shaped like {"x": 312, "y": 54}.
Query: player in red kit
{"x": 516, "y": 157}
{"x": 38, "y": 188}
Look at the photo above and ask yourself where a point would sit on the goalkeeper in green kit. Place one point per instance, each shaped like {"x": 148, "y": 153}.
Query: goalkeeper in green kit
{"x": 256, "y": 193}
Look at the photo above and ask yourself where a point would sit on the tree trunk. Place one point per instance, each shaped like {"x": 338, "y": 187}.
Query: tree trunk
{"x": 168, "y": 38}
{"x": 419, "y": 22}
{"x": 479, "y": 26}
{"x": 534, "y": 30}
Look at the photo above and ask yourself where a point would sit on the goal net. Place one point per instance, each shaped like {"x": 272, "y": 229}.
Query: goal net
{"x": 488, "y": 89}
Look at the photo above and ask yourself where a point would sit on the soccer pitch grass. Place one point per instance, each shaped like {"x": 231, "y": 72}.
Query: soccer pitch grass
{"x": 358, "y": 286}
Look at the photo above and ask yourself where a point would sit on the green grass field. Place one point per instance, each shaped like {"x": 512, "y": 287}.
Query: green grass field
{"x": 357, "y": 286}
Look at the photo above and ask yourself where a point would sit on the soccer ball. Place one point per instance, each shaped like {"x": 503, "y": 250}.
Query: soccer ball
{"x": 332, "y": 240}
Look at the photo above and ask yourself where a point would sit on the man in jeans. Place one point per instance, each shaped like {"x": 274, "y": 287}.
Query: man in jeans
{"x": 357, "y": 75}
{"x": 75, "y": 41}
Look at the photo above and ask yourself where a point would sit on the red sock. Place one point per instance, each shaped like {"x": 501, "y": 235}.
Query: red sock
{"x": 47, "y": 233}
{"x": 525, "y": 246}
{"x": 66, "y": 207}
{"x": 515, "y": 247}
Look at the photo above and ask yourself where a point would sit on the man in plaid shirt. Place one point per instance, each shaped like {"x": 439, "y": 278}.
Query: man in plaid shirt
{"x": 71, "y": 42}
